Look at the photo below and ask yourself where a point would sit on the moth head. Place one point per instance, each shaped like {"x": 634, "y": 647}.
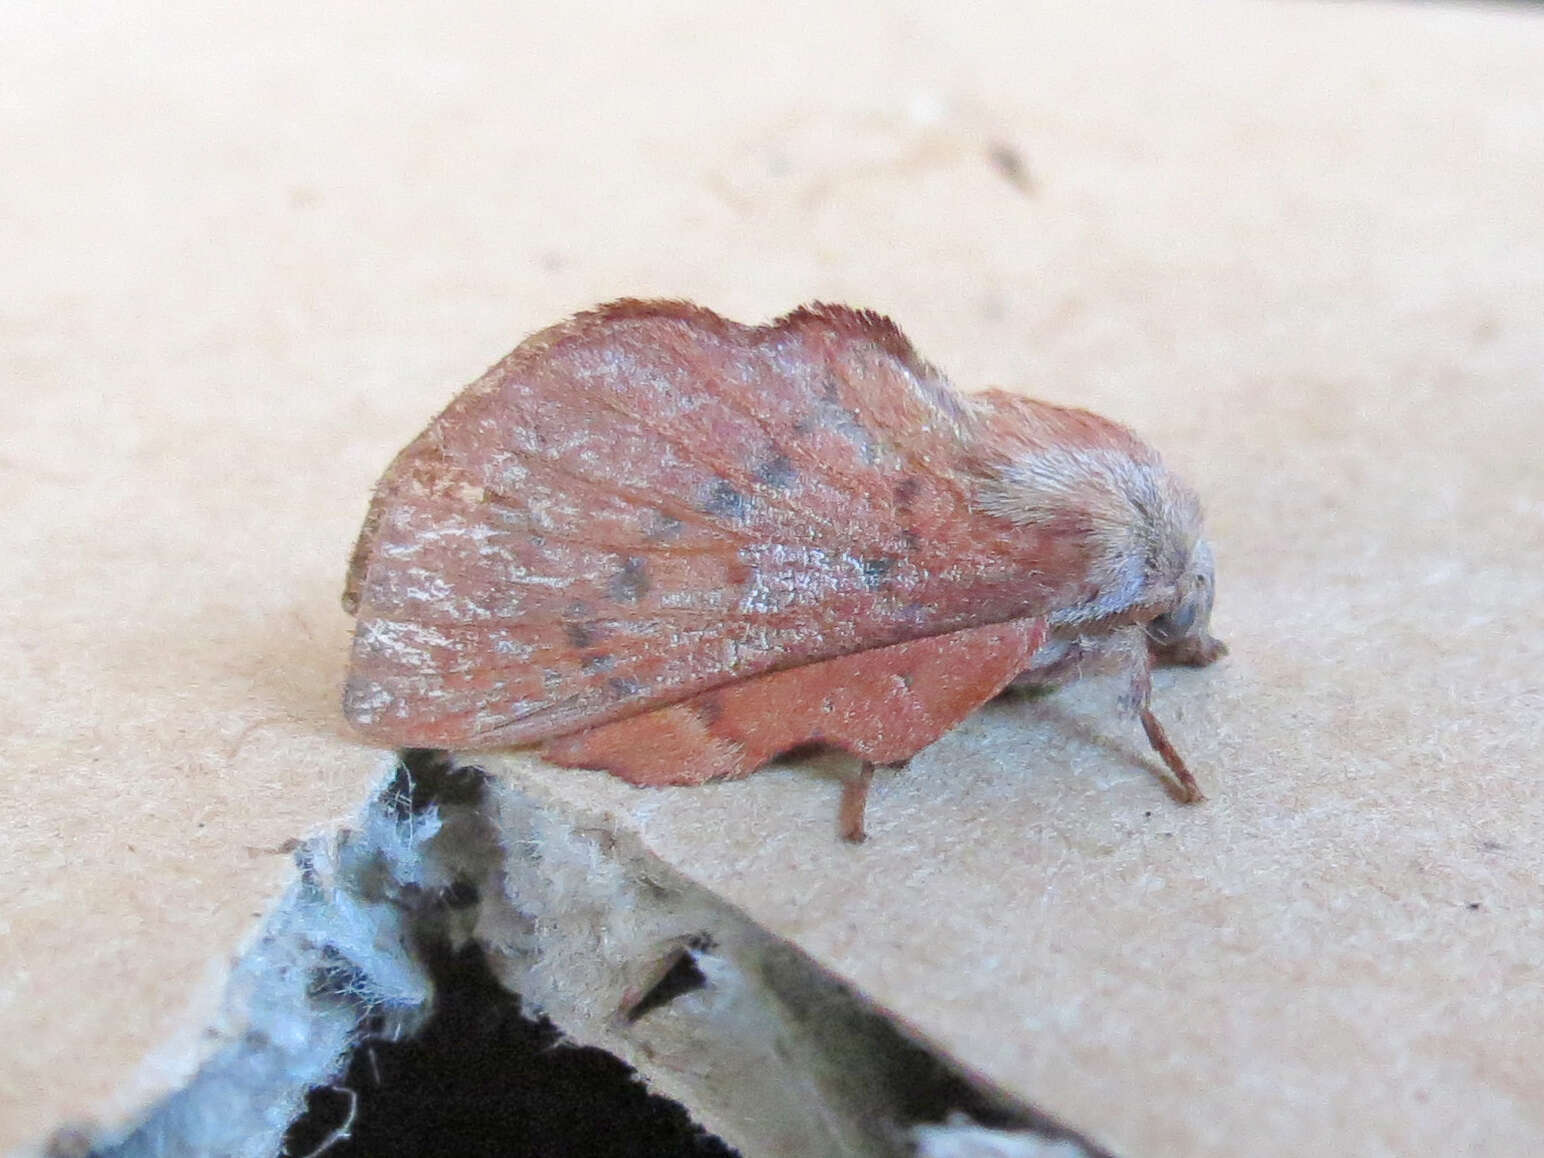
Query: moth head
{"x": 1182, "y": 635}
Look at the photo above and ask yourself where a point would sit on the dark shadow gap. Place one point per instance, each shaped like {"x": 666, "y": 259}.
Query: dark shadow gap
{"x": 483, "y": 1078}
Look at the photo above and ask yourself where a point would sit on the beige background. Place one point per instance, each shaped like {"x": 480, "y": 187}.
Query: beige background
{"x": 246, "y": 255}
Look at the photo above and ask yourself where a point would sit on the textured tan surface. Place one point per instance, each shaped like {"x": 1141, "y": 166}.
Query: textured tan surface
{"x": 1301, "y": 248}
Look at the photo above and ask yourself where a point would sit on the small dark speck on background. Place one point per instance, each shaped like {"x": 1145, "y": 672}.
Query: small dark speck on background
{"x": 1010, "y": 166}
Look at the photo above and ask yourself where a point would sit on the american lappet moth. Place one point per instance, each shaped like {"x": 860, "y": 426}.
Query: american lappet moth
{"x": 661, "y": 543}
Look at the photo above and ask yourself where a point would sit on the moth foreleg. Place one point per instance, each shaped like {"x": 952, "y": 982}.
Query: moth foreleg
{"x": 1138, "y": 697}
{"x": 1189, "y": 791}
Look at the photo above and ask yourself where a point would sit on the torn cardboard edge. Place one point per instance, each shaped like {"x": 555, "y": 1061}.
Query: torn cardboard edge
{"x": 762, "y": 1045}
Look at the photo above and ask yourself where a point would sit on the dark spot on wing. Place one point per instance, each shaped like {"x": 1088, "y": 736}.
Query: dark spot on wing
{"x": 777, "y": 472}
{"x": 597, "y": 661}
{"x": 906, "y": 492}
{"x": 910, "y": 538}
{"x": 725, "y": 501}
{"x": 845, "y": 421}
{"x": 709, "y": 709}
{"x": 624, "y": 686}
{"x": 876, "y": 571}
{"x": 580, "y": 635}
{"x": 631, "y": 583}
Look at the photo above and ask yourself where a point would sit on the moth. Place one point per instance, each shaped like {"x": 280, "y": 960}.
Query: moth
{"x": 661, "y": 543}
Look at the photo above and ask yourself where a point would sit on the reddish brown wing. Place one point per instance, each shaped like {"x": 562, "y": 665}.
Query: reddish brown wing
{"x": 883, "y": 705}
{"x": 650, "y": 501}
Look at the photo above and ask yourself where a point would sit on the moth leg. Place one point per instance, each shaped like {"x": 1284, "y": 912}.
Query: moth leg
{"x": 1139, "y": 696}
{"x": 855, "y": 792}
{"x": 855, "y": 799}
{"x": 1190, "y": 791}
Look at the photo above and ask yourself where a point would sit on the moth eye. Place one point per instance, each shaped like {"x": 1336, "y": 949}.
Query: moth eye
{"x": 1174, "y": 625}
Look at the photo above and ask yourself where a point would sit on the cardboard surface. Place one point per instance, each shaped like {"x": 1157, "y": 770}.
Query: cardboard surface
{"x": 1301, "y": 248}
